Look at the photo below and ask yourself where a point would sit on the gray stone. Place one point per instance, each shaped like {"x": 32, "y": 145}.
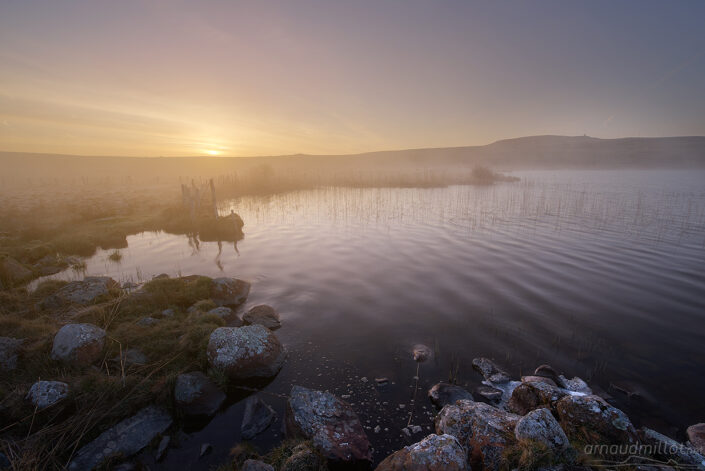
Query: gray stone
{"x": 147, "y": 321}
{"x": 668, "y": 449}
{"x": 256, "y": 465}
{"x": 538, "y": 379}
{"x": 124, "y": 439}
{"x": 132, "y": 356}
{"x": 229, "y": 291}
{"x": 490, "y": 371}
{"x": 161, "y": 449}
{"x": 80, "y": 344}
{"x": 488, "y": 394}
{"x": 263, "y": 315}
{"x": 251, "y": 351}
{"x": 528, "y": 396}
{"x": 547, "y": 371}
{"x": 330, "y": 423}
{"x": 575, "y": 385}
{"x": 258, "y": 416}
{"x": 592, "y": 420}
{"x": 540, "y": 425}
{"x": 82, "y": 292}
{"x": 43, "y": 394}
{"x": 168, "y": 313}
{"x": 9, "y": 350}
{"x": 224, "y": 313}
{"x": 205, "y": 449}
{"x": 197, "y": 395}
{"x": 444, "y": 393}
{"x": 433, "y": 453}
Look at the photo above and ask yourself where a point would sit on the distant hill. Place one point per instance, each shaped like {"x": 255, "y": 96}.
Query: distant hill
{"x": 545, "y": 152}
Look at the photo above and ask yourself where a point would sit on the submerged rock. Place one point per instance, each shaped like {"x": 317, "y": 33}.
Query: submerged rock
{"x": 590, "y": 419}
{"x": 79, "y": 344}
{"x": 124, "y": 439}
{"x": 540, "y": 425}
{"x": 9, "y": 350}
{"x": 43, "y": 394}
{"x": 668, "y": 449}
{"x": 258, "y": 416}
{"x": 696, "y": 436}
{"x": 433, "y": 453}
{"x": 444, "y": 393}
{"x": 485, "y": 431}
{"x": 256, "y": 465}
{"x": 490, "y": 371}
{"x": 82, "y": 292}
{"x": 229, "y": 291}
{"x": 197, "y": 395}
{"x": 251, "y": 351}
{"x": 263, "y": 315}
{"x": 330, "y": 423}
{"x": 534, "y": 395}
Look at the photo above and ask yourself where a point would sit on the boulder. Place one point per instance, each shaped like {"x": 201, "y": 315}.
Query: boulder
{"x": 263, "y": 315}
{"x": 538, "y": 379}
{"x": 197, "y": 395}
{"x": 591, "y": 420}
{"x": 669, "y": 450}
{"x": 528, "y": 396}
{"x": 442, "y": 394}
{"x": 330, "y": 423}
{"x": 547, "y": 371}
{"x": 696, "y": 436}
{"x": 9, "y": 350}
{"x": 82, "y": 292}
{"x": 225, "y": 313}
{"x": 488, "y": 394}
{"x": 575, "y": 385}
{"x": 485, "y": 431}
{"x": 251, "y": 351}
{"x": 256, "y": 465}
{"x": 13, "y": 272}
{"x": 490, "y": 371}
{"x": 433, "y": 453}
{"x": 540, "y": 425}
{"x": 258, "y": 416}
{"x": 229, "y": 291}
{"x": 303, "y": 457}
{"x": 43, "y": 394}
{"x": 79, "y": 344}
{"x": 124, "y": 439}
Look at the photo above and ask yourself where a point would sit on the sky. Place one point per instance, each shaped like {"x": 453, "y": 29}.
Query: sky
{"x": 216, "y": 78}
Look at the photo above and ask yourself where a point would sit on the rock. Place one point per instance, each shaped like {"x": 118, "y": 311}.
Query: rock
{"x": 590, "y": 419}
{"x": 43, "y": 394}
{"x": 258, "y": 416}
{"x": 205, "y": 449}
{"x": 50, "y": 265}
{"x": 444, "y": 393}
{"x": 251, "y": 351}
{"x": 575, "y": 385}
{"x": 490, "y": 371}
{"x": 538, "y": 379}
{"x": 329, "y": 423}
{"x": 168, "y": 313}
{"x": 546, "y": 371}
{"x": 256, "y": 465}
{"x": 382, "y": 381}
{"x": 540, "y": 425}
{"x": 124, "y": 439}
{"x": 303, "y": 458}
{"x": 147, "y": 321}
{"x": 488, "y": 395}
{"x": 263, "y": 315}
{"x": 667, "y": 449}
{"x": 415, "y": 429}
{"x": 132, "y": 356}
{"x": 229, "y": 291}
{"x": 406, "y": 432}
{"x": 696, "y": 436}
{"x": 197, "y": 395}
{"x": 421, "y": 353}
{"x": 13, "y": 272}
{"x": 80, "y": 292}
{"x": 9, "y": 350}
{"x": 80, "y": 344}
{"x": 485, "y": 431}
{"x": 534, "y": 395}
{"x": 433, "y": 453}
{"x": 224, "y": 313}
{"x": 161, "y": 449}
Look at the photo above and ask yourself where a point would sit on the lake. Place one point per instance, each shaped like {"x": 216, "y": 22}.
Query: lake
{"x": 599, "y": 273}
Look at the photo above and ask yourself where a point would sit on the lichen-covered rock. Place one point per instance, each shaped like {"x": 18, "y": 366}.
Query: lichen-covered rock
{"x": 538, "y": 379}
{"x": 197, "y": 395}
{"x": 444, "y": 393}
{"x": 540, "y": 425}
{"x": 528, "y": 396}
{"x": 490, "y": 371}
{"x": 696, "y": 436}
{"x": 124, "y": 439}
{"x": 225, "y": 313}
{"x": 43, "y": 394}
{"x": 256, "y": 465}
{"x": 485, "y": 431}
{"x": 575, "y": 385}
{"x": 79, "y": 344}
{"x": 591, "y": 420}
{"x": 667, "y": 449}
{"x": 258, "y": 416}
{"x": 82, "y": 292}
{"x": 229, "y": 291}
{"x": 303, "y": 458}
{"x": 330, "y": 423}
{"x": 263, "y": 315}
{"x": 488, "y": 394}
{"x": 433, "y": 453}
{"x": 252, "y": 351}
{"x": 9, "y": 349}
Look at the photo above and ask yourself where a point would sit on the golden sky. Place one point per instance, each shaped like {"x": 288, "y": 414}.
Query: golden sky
{"x": 262, "y": 78}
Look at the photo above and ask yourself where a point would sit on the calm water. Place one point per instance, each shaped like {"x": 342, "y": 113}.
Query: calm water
{"x": 600, "y": 274}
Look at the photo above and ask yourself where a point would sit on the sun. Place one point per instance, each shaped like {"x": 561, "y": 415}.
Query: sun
{"x": 212, "y": 152}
